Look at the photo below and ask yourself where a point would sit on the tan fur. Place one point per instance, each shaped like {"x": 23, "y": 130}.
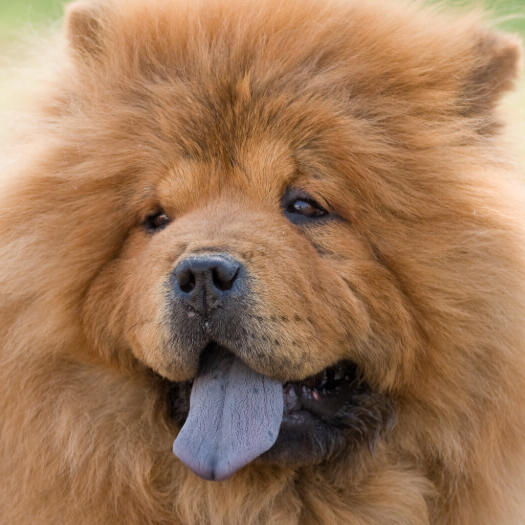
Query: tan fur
{"x": 387, "y": 112}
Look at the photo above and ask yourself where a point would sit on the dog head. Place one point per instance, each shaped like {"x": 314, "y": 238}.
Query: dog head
{"x": 285, "y": 194}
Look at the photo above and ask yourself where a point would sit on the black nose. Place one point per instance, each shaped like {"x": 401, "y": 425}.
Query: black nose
{"x": 206, "y": 281}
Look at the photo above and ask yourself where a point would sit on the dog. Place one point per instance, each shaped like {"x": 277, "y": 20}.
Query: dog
{"x": 264, "y": 262}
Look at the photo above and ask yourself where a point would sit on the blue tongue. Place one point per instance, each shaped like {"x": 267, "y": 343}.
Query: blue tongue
{"x": 234, "y": 417}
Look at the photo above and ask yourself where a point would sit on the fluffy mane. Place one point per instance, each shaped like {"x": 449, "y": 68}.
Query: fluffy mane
{"x": 402, "y": 95}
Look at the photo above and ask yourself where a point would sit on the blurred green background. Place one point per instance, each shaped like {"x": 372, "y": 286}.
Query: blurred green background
{"x": 17, "y": 13}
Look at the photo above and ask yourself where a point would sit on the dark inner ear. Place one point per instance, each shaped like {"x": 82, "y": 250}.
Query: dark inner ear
{"x": 83, "y": 27}
{"x": 496, "y": 69}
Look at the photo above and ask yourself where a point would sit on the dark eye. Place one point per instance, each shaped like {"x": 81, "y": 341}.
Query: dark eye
{"x": 306, "y": 208}
{"x": 300, "y": 207}
{"x": 156, "y": 221}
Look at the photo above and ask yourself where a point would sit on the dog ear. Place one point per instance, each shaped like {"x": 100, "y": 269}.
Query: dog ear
{"x": 496, "y": 68}
{"x": 84, "y": 27}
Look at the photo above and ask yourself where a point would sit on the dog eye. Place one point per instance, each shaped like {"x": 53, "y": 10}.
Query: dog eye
{"x": 299, "y": 207}
{"x": 156, "y": 221}
{"x": 306, "y": 208}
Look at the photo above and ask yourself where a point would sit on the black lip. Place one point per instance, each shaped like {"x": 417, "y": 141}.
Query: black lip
{"x": 330, "y": 412}
{"x": 324, "y": 394}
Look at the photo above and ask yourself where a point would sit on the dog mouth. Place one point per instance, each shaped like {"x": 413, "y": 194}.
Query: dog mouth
{"x": 231, "y": 416}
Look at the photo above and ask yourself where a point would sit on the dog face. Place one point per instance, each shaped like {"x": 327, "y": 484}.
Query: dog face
{"x": 257, "y": 259}
{"x": 288, "y": 204}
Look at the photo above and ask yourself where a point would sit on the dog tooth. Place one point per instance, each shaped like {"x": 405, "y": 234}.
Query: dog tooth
{"x": 305, "y": 391}
{"x": 316, "y": 396}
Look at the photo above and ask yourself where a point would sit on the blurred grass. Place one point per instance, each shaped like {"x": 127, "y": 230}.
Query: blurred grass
{"x": 510, "y": 14}
{"x": 22, "y": 15}
{"x": 14, "y": 13}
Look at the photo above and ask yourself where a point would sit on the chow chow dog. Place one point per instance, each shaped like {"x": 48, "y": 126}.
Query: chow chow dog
{"x": 264, "y": 262}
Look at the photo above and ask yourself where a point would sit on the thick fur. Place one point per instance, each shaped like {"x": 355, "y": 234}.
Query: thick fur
{"x": 387, "y": 111}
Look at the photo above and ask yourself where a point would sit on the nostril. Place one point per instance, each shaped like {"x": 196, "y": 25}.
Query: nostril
{"x": 186, "y": 280}
{"x": 224, "y": 276}
{"x": 204, "y": 282}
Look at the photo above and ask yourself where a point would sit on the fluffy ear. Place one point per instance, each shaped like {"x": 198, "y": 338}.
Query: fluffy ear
{"x": 496, "y": 68}
{"x": 83, "y": 27}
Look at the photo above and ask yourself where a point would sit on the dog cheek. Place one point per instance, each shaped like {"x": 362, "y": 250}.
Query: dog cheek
{"x": 143, "y": 329}
{"x": 147, "y": 326}
{"x": 382, "y": 334}
{"x": 123, "y": 316}
{"x": 103, "y": 315}
{"x": 388, "y": 352}
{"x": 302, "y": 320}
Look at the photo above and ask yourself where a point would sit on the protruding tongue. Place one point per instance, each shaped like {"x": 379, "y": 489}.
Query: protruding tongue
{"x": 235, "y": 415}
